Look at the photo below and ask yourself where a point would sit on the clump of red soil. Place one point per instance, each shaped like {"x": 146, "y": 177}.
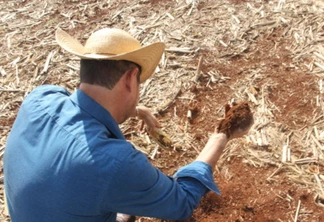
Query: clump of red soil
{"x": 237, "y": 117}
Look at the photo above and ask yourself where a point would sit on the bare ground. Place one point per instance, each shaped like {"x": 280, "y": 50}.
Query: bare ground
{"x": 266, "y": 52}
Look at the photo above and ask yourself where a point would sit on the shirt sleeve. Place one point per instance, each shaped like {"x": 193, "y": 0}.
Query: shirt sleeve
{"x": 141, "y": 189}
{"x": 200, "y": 171}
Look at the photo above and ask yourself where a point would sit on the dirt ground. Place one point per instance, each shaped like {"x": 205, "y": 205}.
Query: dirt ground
{"x": 256, "y": 51}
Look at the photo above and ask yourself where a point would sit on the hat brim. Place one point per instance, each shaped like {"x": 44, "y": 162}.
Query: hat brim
{"x": 148, "y": 57}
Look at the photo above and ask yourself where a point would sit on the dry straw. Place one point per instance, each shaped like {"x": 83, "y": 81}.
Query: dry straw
{"x": 30, "y": 57}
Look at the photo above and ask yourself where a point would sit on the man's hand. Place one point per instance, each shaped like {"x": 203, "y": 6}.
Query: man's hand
{"x": 153, "y": 127}
{"x": 237, "y": 121}
{"x": 125, "y": 218}
{"x": 146, "y": 115}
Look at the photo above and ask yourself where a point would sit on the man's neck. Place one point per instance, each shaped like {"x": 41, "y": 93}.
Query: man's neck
{"x": 105, "y": 97}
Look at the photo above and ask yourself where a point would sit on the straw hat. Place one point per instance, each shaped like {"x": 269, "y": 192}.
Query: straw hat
{"x": 114, "y": 44}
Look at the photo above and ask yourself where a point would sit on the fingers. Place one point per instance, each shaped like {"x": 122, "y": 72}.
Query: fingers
{"x": 227, "y": 108}
{"x": 146, "y": 115}
{"x": 125, "y": 218}
{"x": 142, "y": 126}
{"x": 151, "y": 121}
{"x": 162, "y": 138}
{"x": 153, "y": 127}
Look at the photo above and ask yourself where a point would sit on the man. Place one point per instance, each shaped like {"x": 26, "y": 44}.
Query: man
{"x": 67, "y": 160}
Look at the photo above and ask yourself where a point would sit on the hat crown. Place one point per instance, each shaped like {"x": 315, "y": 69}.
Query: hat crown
{"x": 111, "y": 41}
{"x": 114, "y": 44}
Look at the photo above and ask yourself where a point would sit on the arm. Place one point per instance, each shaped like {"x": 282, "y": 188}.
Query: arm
{"x": 146, "y": 115}
{"x": 151, "y": 193}
{"x": 140, "y": 189}
{"x": 237, "y": 123}
{"x": 213, "y": 149}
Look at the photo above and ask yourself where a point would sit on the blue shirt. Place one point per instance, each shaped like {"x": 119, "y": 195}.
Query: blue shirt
{"x": 67, "y": 160}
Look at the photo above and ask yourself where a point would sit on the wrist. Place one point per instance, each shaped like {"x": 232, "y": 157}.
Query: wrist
{"x": 221, "y": 137}
{"x": 218, "y": 141}
{"x": 213, "y": 149}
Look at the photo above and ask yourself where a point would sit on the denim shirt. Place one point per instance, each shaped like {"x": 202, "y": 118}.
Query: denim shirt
{"x": 67, "y": 160}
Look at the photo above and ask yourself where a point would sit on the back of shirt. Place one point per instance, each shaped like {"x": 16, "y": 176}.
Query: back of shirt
{"x": 50, "y": 171}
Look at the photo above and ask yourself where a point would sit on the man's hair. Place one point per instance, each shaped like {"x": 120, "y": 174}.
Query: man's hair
{"x": 105, "y": 73}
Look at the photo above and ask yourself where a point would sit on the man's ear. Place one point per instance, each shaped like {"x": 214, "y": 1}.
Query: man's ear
{"x": 131, "y": 78}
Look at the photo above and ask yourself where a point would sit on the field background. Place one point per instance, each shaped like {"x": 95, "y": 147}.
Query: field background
{"x": 269, "y": 53}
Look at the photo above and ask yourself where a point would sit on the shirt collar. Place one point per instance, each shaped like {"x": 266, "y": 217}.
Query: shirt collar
{"x": 97, "y": 111}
